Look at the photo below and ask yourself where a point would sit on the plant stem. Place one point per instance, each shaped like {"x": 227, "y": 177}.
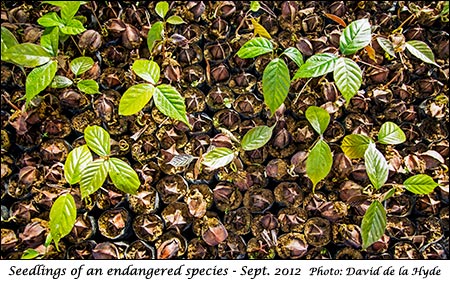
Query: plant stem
{"x": 303, "y": 88}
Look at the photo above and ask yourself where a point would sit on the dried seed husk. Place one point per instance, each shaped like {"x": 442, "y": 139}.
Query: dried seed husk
{"x": 348, "y": 254}
{"x": 171, "y": 188}
{"x": 234, "y": 247}
{"x": 82, "y": 250}
{"x": 405, "y": 250}
{"x": 171, "y": 245}
{"x": 226, "y": 196}
{"x": 346, "y": 234}
{"x": 257, "y": 248}
{"x": 292, "y": 219}
{"x": 148, "y": 227}
{"x": 145, "y": 201}
{"x": 109, "y": 250}
{"x": 258, "y": 200}
{"x": 288, "y": 194}
{"x": 139, "y": 250}
{"x": 238, "y": 221}
{"x": 83, "y": 229}
{"x": 115, "y": 223}
{"x": 292, "y": 246}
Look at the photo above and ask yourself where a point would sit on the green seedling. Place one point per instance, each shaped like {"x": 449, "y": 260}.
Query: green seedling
{"x": 360, "y": 146}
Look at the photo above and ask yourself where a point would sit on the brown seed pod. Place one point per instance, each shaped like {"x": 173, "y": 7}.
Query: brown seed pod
{"x": 9, "y": 239}
{"x": 434, "y": 251}
{"x": 194, "y": 76}
{"x": 405, "y": 250}
{"x": 54, "y": 150}
{"x": 218, "y": 97}
{"x": 108, "y": 250}
{"x": 292, "y": 219}
{"x": 292, "y": 246}
{"x": 277, "y": 169}
{"x": 289, "y": 194}
{"x": 148, "y": 227}
{"x": 399, "y": 227}
{"x": 139, "y": 250}
{"x": 247, "y": 104}
{"x": 317, "y": 231}
{"x": 348, "y": 253}
{"x": 83, "y": 229}
{"x": 199, "y": 198}
{"x": 82, "y": 250}
{"x": 145, "y": 148}
{"x": 109, "y": 197}
{"x": 115, "y": 223}
{"x": 146, "y": 200}
{"x": 238, "y": 221}
{"x": 234, "y": 247}
{"x": 346, "y": 234}
{"x": 171, "y": 188}
{"x": 34, "y": 233}
{"x": 213, "y": 231}
{"x": 226, "y": 196}
{"x": 198, "y": 249}
{"x": 334, "y": 210}
{"x": 380, "y": 246}
{"x": 86, "y": 118}
{"x": 176, "y": 215}
{"x": 258, "y": 200}
{"x": 90, "y": 40}
{"x": 257, "y": 248}
{"x": 170, "y": 245}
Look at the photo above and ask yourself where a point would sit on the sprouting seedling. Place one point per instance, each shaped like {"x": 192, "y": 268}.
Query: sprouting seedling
{"x": 320, "y": 158}
{"x": 276, "y": 78}
{"x": 360, "y": 146}
{"x": 157, "y": 30}
{"x": 218, "y": 157}
{"x": 346, "y": 72}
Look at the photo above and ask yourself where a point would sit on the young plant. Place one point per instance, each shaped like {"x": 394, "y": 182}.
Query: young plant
{"x": 157, "y": 30}
{"x": 67, "y": 24}
{"x": 78, "y": 66}
{"x": 276, "y": 78}
{"x": 360, "y": 146}
{"x": 346, "y": 72}
{"x": 320, "y": 158}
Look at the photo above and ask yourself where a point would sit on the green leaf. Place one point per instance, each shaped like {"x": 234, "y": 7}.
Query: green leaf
{"x": 50, "y": 19}
{"x": 355, "y": 145}
{"x": 147, "y": 70}
{"x": 316, "y": 66}
{"x": 294, "y": 54}
{"x": 373, "y": 224}
{"x": 8, "y": 40}
{"x": 30, "y": 254}
{"x": 88, "y": 86}
{"x": 318, "y": 163}
{"x": 421, "y": 50}
{"x": 255, "y": 47}
{"x": 254, "y": 6}
{"x": 162, "y": 8}
{"x": 390, "y": 133}
{"x": 218, "y": 157}
{"x": 60, "y": 82}
{"x": 355, "y": 36}
{"x": 175, "y": 20}
{"x": 38, "y": 79}
{"x": 348, "y": 77}
{"x": 69, "y": 9}
{"x": 275, "y": 83}
{"x": 170, "y": 102}
{"x": 75, "y": 163}
{"x": 93, "y": 177}
{"x": 387, "y": 46}
{"x": 318, "y": 117}
{"x": 123, "y": 176}
{"x": 154, "y": 34}
{"x": 80, "y": 65}
{"x": 63, "y": 215}
{"x": 256, "y": 137}
{"x": 420, "y": 184}
{"x": 376, "y": 166}
{"x": 28, "y": 55}
{"x": 50, "y": 40}
{"x": 135, "y": 98}
{"x": 72, "y": 27}
{"x": 98, "y": 140}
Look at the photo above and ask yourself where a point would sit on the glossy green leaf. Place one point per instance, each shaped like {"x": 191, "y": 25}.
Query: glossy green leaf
{"x": 8, "y": 40}
{"x": 275, "y": 84}
{"x": 63, "y": 215}
{"x": 51, "y": 19}
{"x": 255, "y": 47}
{"x": 294, "y": 54}
{"x": 135, "y": 98}
{"x": 98, "y": 140}
{"x": 318, "y": 117}
{"x": 76, "y": 161}
{"x": 254, "y": 6}
{"x": 72, "y": 27}
{"x": 30, "y": 254}
{"x": 60, "y": 82}
{"x": 170, "y": 102}
{"x": 154, "y": 34}
{"x": 373, "y": 224}
{"x": 69, "y": 9}
{"x": 93, "y": 176}
{"x": 162, "y": 8}
{"x": 355, "y": 36}
{"x": 420, "y": 184}
{"x": 50, "y": 40}
{"x": 316, "y": 66}
{"x": 218, "y": 157}
{"x": 81, "y": 64}
{"x": 387, "y": 46}
{"x": 175, "y": 20}
{"x": 28, "y": 55}
{"x": 355, "y": 145}
{"x": 376, "y": 166}
{"x": 319, "y": 162}
{"x": 147, "y": 70}
{"x": 38, "y": 79}
{"x": 256, "y": 137}
{"x": 421, "y": 50}
{"x": 88, "y": 86}
{"x": 390, "y": 133}
{"x": 348, "y": 77}
{"x": 123, "y": 176}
